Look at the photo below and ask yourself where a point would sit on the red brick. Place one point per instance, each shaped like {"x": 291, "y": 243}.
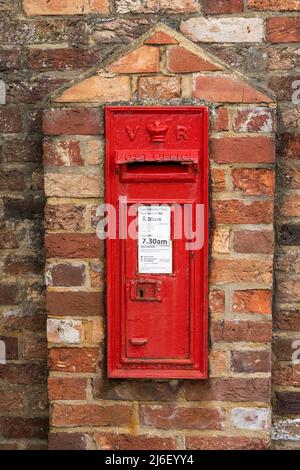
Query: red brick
{"x": 243, "y": 149}
{"x": 106, "y": 441}
{"x": 22, "y": 265}
{"x": 9, "y": 294}
{"x": 253, "y": 241}
{"x": 283, "y": 29}
{"x": 287, "y": 320}
{"x": 283, "y": 348}
{"x": 171, "y": 417}
{"x": 237, "y": 331}
{"x": 62, "y": 58}
{"x": 66, "y": 275}
{"x": 144, "y": 59}
{"x": 238, "y": 212}
{"x": 159, "y": 87}
{"x": 64, "y": 217}
{"x": 224, "y": 271}
{"x": 23, "y": 374}
{"x": 71, "y": 303}
{"x": 73, "y": 121}
{"x": 223, "y": 6}
{"x": 10, "y": 120}
{"x": 253, "y": 301}
{"x": 274, "y": 5}
{"x": 11, "y": 401}
{"x": 18, "y": 428}
{"x": 90, "y": 415}
{"x": 226, "y": 89}
{"x": 217, "y": 301}
{"x": 250, "y": 361}
{"x": 66, "y": 388}
{"x": 67, "y": 7}
{"x": 229, "y": 389}
{"x": 160, "y": 38}
{"x": 254, "y": 120}
{"x": 73, "y": 246}
{"x": 12, "y": 180}
{"x": 62, "y": 153}
{"x": 73, "y": 359}
{"x": 226, "y": 443}
{"x": 218, "y": 180}
{"x": 34, "y": 346}
{"x": 29, "y": 90}
{"x": 286, "y": 375}
{"x": 66, "y": 441}
{"x": 290, "y": 146}
{"x": 181, "y": 60}
{"x": 254, "y": 181}
{"x": 220, "y": 120}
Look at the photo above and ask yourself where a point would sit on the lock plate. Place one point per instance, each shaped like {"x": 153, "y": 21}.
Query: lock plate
{"x": 145, "y": 290}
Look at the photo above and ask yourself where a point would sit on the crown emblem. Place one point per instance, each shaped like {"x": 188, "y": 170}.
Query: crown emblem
{"x": 157, "y": 131}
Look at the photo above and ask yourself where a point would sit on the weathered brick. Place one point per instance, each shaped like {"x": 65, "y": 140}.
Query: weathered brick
{"x": 62, "y": 153}
{"x": 218, "y": 363}
{"x": 70, "y": 185}
{"x": 241, "y": 331}
{"x": 145, "y": 59}
{"x": 11, "y": 401}
{"x": 290, "y": 205}
{"x": 229, "y": 389}
{"x": 281, "y": 58}
{"x": 71, "y": 303}
{"x": 220, "y": 120}
{"x": 238, "y": 212}
{"x": 66, "y": 441}
{"x": 283, "y": 348}
{"x": 22, "y": 265}
{"x": 141, "y": 390}
{"x": 10, "y": 60}
{"x": 282, "y": 87}
{"x": 226, "y": 89}
{"x": 159, "y": 87}
{"x": 253, "y": 301}
{"x": 90, "y": 415}
{"x": 289, "y": 234}
{"x": 274, "y": 5}
{"x": 23, "y": 151}
{"x": 254, "y": 181}
{"x": 67, "y": 7}
{"x": 220, "y": 240}
{"x": 12, "y": 180}
{"x": 288, "y": 402}
{"x": 73, "y": 245}
{"x": 64, "y": 217}
{"x": 254, "y": 120}
{"x": 283, "y": 29}
{"x": 226, "y": 443}
{"x": 98, "y": 89}
{"x": 73, "y": 121}
{"x": 11, "y": 347}
{"x": 250, "y": 361}
{"x": 180, "y": 6}
{"x": 65, "y": 275}
{"x": 288, "y": 290}
{"x": 287, "y": 319}
{"x": 62, "y": 58}
{"x": 9, "y": 294}
{"x": 171, "y": 417}
{"x": 10, "y": 120}
{"x": 243, "y": 149}
{"x": 137, "y": 6}
{"x": 285, "y": 374}
{"x": 218, "y": 179}
{"x": 67, "y": 388}
{"x": 252, "y": 419}
{"x": 223, "y": 6}
{"x": 290, "y": 117}
{"x": 181, "y": 60}
{"x": 65, "y": 331}
{"x": 18, "y": 427}
{"x": 217, "y": 301}
{"x": 34, "y": 346}
{"x": 73, "y": 359}
{"x": 24, "y": 374}
{"x": 106, "y": 441}
{"x": 30, "y": 91}
{"x": 224, "y": 30}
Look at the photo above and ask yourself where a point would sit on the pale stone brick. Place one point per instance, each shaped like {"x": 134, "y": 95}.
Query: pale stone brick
{"x": 65, "y": 331}
{"x": 98, "y": 89}
{"x": 66, "y": 185}
{"x": 252, "y": 419}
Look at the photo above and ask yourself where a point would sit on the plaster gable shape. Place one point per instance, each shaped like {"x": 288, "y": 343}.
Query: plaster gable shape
{"x": 144, "y": 56}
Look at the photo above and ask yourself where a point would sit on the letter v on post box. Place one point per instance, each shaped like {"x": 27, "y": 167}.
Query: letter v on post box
{"x": 157, "y": 179}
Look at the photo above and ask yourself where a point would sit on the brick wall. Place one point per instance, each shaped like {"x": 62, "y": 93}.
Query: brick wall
{"x": 47, "y": 45}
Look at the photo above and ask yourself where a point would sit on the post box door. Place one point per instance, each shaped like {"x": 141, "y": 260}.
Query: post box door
{"x": 156, "y": 166}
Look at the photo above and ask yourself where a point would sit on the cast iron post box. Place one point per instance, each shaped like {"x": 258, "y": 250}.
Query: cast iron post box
{"x": 157, "y": 180}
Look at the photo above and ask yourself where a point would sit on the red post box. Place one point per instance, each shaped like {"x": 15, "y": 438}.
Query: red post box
{"x": 157, "y": 181}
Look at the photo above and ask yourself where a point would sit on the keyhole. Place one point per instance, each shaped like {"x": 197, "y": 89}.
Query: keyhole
{"x": 141, "y": 292}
